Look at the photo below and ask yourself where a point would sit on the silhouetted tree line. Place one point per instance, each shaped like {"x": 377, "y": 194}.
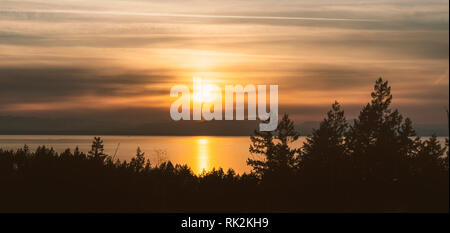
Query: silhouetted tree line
{"x": 375, "y": 164}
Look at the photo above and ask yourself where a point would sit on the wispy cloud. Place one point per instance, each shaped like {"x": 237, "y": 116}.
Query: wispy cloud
{"x": 207, "y": 16}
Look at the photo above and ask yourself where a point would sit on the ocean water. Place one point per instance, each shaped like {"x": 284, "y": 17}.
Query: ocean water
{"x": 198, "y": 152}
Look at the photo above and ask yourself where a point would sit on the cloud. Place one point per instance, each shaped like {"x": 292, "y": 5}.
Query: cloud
{"x": 104, "y": 58}
{"x": 41, "y": 85}
{"x": 203, "y": 16}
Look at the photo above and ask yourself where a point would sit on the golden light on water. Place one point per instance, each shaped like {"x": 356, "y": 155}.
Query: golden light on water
{"x": 203, "y": 155}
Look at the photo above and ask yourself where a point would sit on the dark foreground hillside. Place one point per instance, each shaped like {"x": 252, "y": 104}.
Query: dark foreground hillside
{"x": 375, "y": 164}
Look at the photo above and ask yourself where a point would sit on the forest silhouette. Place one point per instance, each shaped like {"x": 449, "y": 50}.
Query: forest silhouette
{"x": 375, "y": 163}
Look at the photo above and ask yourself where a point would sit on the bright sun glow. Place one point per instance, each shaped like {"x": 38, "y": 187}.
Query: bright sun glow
{"x": 204, "y": 92}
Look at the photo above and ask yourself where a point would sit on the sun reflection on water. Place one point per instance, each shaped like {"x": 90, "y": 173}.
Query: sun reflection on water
{"x": 203, "y": 155}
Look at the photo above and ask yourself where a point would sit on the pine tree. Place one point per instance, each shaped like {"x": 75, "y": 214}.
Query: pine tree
{"x": 97, "y": 150}
{"x": 326, "y": 145}
{"x": 430, "y": 157}
{"x": 430, "y": 177}
{"x": 138, "y": 162}
{"x": 379, "y": 138}
{"x": 324, "y": 165}
{"x": 274, "y": 146}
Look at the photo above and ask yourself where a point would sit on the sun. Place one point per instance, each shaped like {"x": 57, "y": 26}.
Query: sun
{"x": 205, "y": 92}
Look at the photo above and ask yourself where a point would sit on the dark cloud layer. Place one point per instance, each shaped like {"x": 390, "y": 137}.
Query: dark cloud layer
{"x": 35, "y": 85}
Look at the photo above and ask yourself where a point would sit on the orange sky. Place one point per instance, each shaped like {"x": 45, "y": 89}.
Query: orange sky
{"x": 85, "y": 55}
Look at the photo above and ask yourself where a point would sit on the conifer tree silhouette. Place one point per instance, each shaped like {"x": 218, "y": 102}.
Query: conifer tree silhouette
{"x": 275, "y": 147}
